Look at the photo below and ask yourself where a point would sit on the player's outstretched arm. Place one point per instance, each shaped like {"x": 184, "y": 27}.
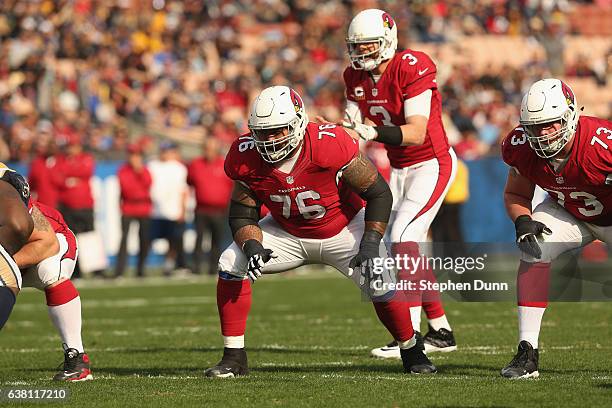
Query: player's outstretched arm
{"x": 517, "y": 197}
{"x": 412, "y": 133}
{"x": 244, "y": 215}
{"x": 41, "y": 245}
{"x": 243, "y": 220}
{"x": 363, "y": 177}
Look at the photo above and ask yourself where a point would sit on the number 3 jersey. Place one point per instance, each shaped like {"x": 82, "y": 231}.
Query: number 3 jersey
{"x": 311, "y": 201}
{"x": 410, "y": 73}
{"x": 583, "y": 185}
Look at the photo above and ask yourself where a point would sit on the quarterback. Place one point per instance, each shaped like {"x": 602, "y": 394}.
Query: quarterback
{"x": 313, "y": 180}
{"x": 569, "y": 156}
{"x": 393, "y": 99}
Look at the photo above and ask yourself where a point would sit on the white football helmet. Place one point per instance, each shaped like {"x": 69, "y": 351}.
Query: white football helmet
{"x": 368, "y": 26}
{"x": 549, "y": 100}
{"x": 274, "y": 108}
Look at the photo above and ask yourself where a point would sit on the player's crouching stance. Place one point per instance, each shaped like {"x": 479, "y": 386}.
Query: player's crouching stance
{"x": 312, "y": 178}
{"x": 47, "y": 261}
{"x": 570, "y": 158}
{"x": 15, "y": 228}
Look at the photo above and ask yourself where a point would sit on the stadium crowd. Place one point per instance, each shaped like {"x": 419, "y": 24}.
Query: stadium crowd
{"x": 105, "y": 72}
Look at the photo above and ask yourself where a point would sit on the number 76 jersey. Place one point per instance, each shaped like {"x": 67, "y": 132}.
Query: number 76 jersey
{"x": 583, "y": 186}
{"x": 311, "y": 201}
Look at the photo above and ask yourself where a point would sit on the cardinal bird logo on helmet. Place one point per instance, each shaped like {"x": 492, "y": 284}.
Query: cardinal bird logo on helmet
{"x": 388, "y": 20}
{"x": 297, "y": 101}
{"x": 567, "y": 92}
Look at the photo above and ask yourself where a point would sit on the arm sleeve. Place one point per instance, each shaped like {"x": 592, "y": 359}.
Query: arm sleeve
{"x": 418, "y": 105}
{"x": 352, "y": 111}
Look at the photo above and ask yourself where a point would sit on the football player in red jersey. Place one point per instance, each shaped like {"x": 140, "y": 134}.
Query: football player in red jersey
{"x": 15, "y": 228}
{"x": 47, "y": 261}
{"x": 312, "y": 178}
{"x": 393, "y": 98}
{"x": 569, "y": 156}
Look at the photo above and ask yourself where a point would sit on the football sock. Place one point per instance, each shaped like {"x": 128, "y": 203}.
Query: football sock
{"x": 415, "y": 316}
{"x": 64, "y": 306}
{"x": 7, "y": 301}
{"x": 532, "y": 287}
{"x": 233, "y": 341}
{"x": 532, "y": 284}
{"x": 530, "y": 320}
{"x": 393, "y": 315}
{"x": 234, "y": 304}
{"x": 440, "y": 323}
{"x": 408, "y": 343}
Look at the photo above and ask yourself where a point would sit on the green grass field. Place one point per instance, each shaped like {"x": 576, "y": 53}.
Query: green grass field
{"x": 308, "y": 339}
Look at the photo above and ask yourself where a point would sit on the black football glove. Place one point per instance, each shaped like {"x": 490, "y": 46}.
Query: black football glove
{"x": 368, "y": 251}
{"x": 527, "y": 231}
{"x": 257, "y": 257}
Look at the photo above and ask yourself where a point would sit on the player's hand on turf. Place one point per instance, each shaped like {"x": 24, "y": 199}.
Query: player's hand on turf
{"x": 257, "y": 257}
{"x": 365, "y": 132}
{"x": 527, "y": 231}
{"x": 364, "y": 260}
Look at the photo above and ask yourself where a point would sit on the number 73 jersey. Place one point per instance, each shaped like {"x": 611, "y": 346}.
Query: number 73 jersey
{"x": 583, "y": 186}
{"x": 311, "y": 201}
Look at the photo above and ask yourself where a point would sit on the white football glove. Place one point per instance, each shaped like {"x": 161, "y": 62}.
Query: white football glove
{"x": 257, "y": 258}
{"x": 365, "y": 132}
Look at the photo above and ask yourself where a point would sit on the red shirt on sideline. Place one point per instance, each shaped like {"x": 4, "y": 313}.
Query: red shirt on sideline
{"x": 40, "y": 180}
{"x": 213, "y": 189}
{"x": 75, "y": 172}
{"x": 135, "y": 188}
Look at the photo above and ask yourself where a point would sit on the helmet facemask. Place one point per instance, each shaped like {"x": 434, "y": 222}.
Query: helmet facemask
{"x": 549, "y": 145}
{"x": 368, "y": 60}
{"x": 279, "y": 148}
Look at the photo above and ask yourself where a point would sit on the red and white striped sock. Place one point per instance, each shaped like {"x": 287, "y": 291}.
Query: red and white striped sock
{"x": 64, "y": 306}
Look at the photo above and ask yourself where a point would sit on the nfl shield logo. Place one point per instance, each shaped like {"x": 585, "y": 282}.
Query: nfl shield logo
{"x": 290, "y": 179}
{"x": 374, "y": 92}
{"x": 560, "y": 180}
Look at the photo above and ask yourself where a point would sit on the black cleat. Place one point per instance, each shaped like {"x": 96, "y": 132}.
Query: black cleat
{"x": 441, "y": 340}
{"x": 524, "y": 364}
{"x": 76, "y": 366}
{"x": 232, "y": 364}
{"x": 392, "y": 350}
{"x": 416, "y": 362}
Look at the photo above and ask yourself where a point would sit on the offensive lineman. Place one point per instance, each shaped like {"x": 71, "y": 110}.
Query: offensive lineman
{"x": 569, "y": 156}
{"x": 313, "y": 179}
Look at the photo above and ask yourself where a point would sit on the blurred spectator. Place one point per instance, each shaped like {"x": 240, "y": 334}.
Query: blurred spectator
{"x": 169, "y": 192}
{"x": 213, "y": 190}
{"x": 42, "y": 168}
{"x": 186, "y": 69}
{"x": 136, "y": 206}
{"x": 73, "y": 173}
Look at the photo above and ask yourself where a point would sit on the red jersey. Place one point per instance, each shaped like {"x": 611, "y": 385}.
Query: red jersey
{"x": 135, "y": 186}
{"x": 213, "y": 189}
{"x": 40, "y": 179}
{"x": 311, "y": 201}
{"x": 75, "y": 173}
{"x": 56, "y": 220}
{"x": 584, "y": 185}
{"x": 409, "y": 74}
